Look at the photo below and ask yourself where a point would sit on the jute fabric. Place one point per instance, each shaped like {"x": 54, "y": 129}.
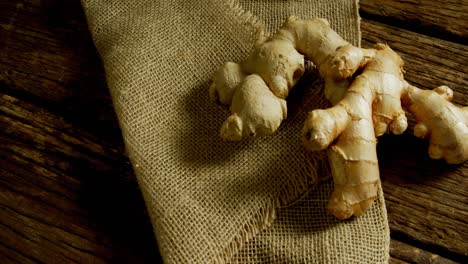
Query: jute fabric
{"x": 210, "y": 201}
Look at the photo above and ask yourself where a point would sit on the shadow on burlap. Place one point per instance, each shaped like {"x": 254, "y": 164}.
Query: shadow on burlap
{"x": 254, "y": 201}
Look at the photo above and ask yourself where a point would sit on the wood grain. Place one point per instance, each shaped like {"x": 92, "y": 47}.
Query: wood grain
{"x": 404, "y": 253}
{"x": 67, "y": 191}
{"x": 438, "y": 17}
{"x": 65, "y": 196}
{"x": 47, "y": 56}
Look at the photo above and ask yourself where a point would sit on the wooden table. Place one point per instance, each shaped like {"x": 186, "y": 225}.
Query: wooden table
{"x": 67, "y": 190}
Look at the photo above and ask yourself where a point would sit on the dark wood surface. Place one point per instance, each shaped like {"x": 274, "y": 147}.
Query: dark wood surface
{"x": 67, "y": 190}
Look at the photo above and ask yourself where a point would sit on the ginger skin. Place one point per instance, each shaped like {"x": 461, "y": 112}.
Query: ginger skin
{"x": 369, "y": 106}
{"x": 364, "y": 106}
{"x": 439, "y": 120}
{"x": 254, "y": 111}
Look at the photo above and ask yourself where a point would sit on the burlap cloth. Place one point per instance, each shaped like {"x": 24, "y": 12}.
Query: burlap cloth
{"x": 215, "y": 201}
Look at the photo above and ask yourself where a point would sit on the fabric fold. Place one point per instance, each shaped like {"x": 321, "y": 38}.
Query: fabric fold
{"x": 212, "y": 201}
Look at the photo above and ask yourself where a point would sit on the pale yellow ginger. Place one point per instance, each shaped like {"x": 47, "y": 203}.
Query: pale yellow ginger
{"x": 254, "y": 111}
{"x": 439, "y": 120}
{"x": 370, "y": 106}
{"x": 347, "y": 130}
{"x": 367, "y": 90}
{"x": 225, "y": 82}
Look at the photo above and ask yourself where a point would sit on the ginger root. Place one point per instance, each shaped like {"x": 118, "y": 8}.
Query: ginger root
{"x": 367, "y": 90}
{"x": 370, "y": 106}
{"x": 256, "y": 88}
{"x": 256, "y": 110}
{"x": 439, "y": 120}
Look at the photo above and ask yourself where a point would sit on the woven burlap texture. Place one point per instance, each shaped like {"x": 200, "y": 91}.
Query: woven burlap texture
{"x": 209, "y": 200}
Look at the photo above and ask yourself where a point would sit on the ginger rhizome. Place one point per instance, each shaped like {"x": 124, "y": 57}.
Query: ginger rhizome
{"x": 256, "y": 88}
{"x": 368, "y": 92}
{"x": 366, "y": 106}
{"x": 439, "y": 120}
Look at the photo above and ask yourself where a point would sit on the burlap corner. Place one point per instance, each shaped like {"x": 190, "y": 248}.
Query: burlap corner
{"x": 212, "y": 201}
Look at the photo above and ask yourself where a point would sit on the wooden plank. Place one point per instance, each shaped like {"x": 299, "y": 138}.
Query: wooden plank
{"x": 404, "y": 253}
{"x": 441, "y": 16}
{"x": 65, "y": 196}
{"x": 67, "y": 191}
{"x": 45, "y": 48}
{"x": 427, "y": 200}
{"x": 47, "y": 56}
{"x": 393, "y": 260}
{"x": 9, "y": 254}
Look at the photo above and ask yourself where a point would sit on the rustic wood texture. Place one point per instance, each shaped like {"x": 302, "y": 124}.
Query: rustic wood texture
{"x": 67, "y": 190}
{"x": 442, "y": 17}
{"x": 403, "y": 253}
{"x": 64, "y": 195}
